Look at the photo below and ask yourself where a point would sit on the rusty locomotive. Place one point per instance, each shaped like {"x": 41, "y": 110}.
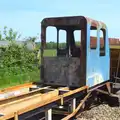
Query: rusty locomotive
{"x": 92, "y": 63}
{"x": 73, "y": 79}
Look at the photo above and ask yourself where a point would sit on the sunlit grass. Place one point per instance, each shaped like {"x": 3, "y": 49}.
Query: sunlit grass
{"x": 9, "y": 79}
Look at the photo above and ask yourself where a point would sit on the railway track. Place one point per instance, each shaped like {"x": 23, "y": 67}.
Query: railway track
{"x": 11, "y": 106}
{"x": 47, "y": 103}
{"x": 94, "y": 66}
{"x": 36, "y": 102}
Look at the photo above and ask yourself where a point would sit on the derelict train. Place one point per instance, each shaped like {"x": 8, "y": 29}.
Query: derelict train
{"x": 75, "y": 77}
{"x": 76, "y": 66}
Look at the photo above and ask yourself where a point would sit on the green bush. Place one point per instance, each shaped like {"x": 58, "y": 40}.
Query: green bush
{"x": 17, "y": 56}
{"x": 18, "y": 64}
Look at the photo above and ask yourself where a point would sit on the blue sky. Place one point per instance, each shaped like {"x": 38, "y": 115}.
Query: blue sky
{"x": 25, "y": 16}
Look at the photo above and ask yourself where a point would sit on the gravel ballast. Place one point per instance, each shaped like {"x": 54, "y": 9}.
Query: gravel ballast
{"x": 101, "y": 112}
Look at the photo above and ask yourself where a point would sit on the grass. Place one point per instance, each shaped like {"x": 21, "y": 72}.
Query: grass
{"x": 9, "y": 79}
{"x": 50, "y": 52}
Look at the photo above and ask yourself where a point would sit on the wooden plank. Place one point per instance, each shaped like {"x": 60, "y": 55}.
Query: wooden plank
{"x": 15, "y": 116}
{"x": 21, "y": 106}
{"x": 77, "y": 109}
{"x": 15, "y": 90}
{"x": 16, "y": 87}
{"x": 102, "y": 91}
{"x": 35, "y": 102}
{"x": 63, "y": 88}
{"x": 19, "y": 98}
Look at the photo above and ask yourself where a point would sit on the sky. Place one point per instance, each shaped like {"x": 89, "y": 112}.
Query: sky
{"x": 25, "y": 16}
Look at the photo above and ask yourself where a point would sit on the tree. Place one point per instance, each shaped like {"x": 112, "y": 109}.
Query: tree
{"x": 9, "y": 35}
{"x": 0, "y": 36}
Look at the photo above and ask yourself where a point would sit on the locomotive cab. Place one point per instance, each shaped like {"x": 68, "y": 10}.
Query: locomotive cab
{"x": 75, "y": 66}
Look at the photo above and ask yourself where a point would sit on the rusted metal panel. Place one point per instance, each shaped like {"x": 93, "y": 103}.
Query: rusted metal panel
{"x": 112, "y": 41}
{"x": 77, "y": 22}
{"x": 71, "y": 21}
{"x": 63, "y": 21}
{"x": 85, "y": 25}
{"x": 62, "y": 71}
{"x": 95, "y": 23}
{"x": 114, "y": 59}
{"x": 114, "y": 52}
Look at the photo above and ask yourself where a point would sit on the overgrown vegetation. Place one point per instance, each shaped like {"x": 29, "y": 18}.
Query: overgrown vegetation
{"x": 9, "y": 35}
{"x": 17, "y": 63}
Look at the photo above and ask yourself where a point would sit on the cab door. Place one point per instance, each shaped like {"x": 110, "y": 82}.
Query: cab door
{"x": 97, "y": 70}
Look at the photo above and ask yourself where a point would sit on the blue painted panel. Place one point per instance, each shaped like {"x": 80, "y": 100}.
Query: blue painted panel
{"x": 97, "y": 66}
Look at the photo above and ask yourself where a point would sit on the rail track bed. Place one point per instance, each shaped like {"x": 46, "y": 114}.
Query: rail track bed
{"x": 100, "y": 112}
{"x": 20, "y": 104}
{"x": 57, "y": 103}
{"x": 29, "y": 104}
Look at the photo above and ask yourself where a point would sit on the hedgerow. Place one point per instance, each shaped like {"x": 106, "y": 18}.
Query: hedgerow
{"x": 17, "y": 62}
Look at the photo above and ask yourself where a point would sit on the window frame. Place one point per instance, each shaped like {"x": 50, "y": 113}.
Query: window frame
{"x": 91, "y": 47}
{"x": 102, "y": 50}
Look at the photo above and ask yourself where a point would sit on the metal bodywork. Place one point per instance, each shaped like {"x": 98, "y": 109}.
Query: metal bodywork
{"x": 114, "y": 44}
{"x": 93, "y": 69}
{"x": 90, "y": 68}
{"x": 98, "y": 65}
{"x": 67, "y": 69}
